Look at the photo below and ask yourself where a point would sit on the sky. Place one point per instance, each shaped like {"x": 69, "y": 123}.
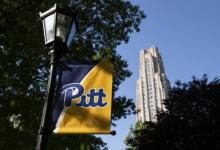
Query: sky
{"x": 187, "y": 33}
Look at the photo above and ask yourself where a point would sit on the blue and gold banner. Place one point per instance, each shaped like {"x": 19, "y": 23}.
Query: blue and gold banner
{"x": 85, "y": 100}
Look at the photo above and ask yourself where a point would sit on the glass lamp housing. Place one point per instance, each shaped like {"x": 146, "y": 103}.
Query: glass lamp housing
{"x": 59, "y": 24}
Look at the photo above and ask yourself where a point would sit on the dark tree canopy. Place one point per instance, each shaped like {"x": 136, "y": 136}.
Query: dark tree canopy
{"x": 24, "y": 63}
{"x": 192, "y": 119}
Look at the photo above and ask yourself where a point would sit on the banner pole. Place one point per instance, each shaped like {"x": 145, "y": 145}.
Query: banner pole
{"x": 45, "y": 129}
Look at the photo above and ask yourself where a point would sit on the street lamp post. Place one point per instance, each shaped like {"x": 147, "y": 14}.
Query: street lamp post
{"x": 59, "y": 26}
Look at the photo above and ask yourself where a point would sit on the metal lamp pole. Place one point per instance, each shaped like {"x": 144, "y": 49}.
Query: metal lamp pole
{"x": 45, "y": 129}
{"x": 59, "y": 26}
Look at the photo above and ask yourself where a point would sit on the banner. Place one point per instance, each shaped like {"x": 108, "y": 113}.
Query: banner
{"x": 84, "y": 103}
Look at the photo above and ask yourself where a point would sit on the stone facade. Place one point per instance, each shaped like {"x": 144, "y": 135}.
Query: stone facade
{"x": 152, "y": 85}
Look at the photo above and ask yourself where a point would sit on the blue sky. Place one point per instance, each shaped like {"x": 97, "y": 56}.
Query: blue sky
{"x": 187, "y": 33}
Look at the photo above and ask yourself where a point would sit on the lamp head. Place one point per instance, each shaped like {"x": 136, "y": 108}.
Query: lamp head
{"x": 59, "y": 24}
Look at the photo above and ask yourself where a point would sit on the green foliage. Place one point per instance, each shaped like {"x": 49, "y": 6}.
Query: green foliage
{"x": 191, "y": 122}
{"x": 24, "y": 64}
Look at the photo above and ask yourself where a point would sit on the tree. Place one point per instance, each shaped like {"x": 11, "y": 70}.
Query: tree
{"x": 191, "y": 121}
{"x": 24, "y": 64}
